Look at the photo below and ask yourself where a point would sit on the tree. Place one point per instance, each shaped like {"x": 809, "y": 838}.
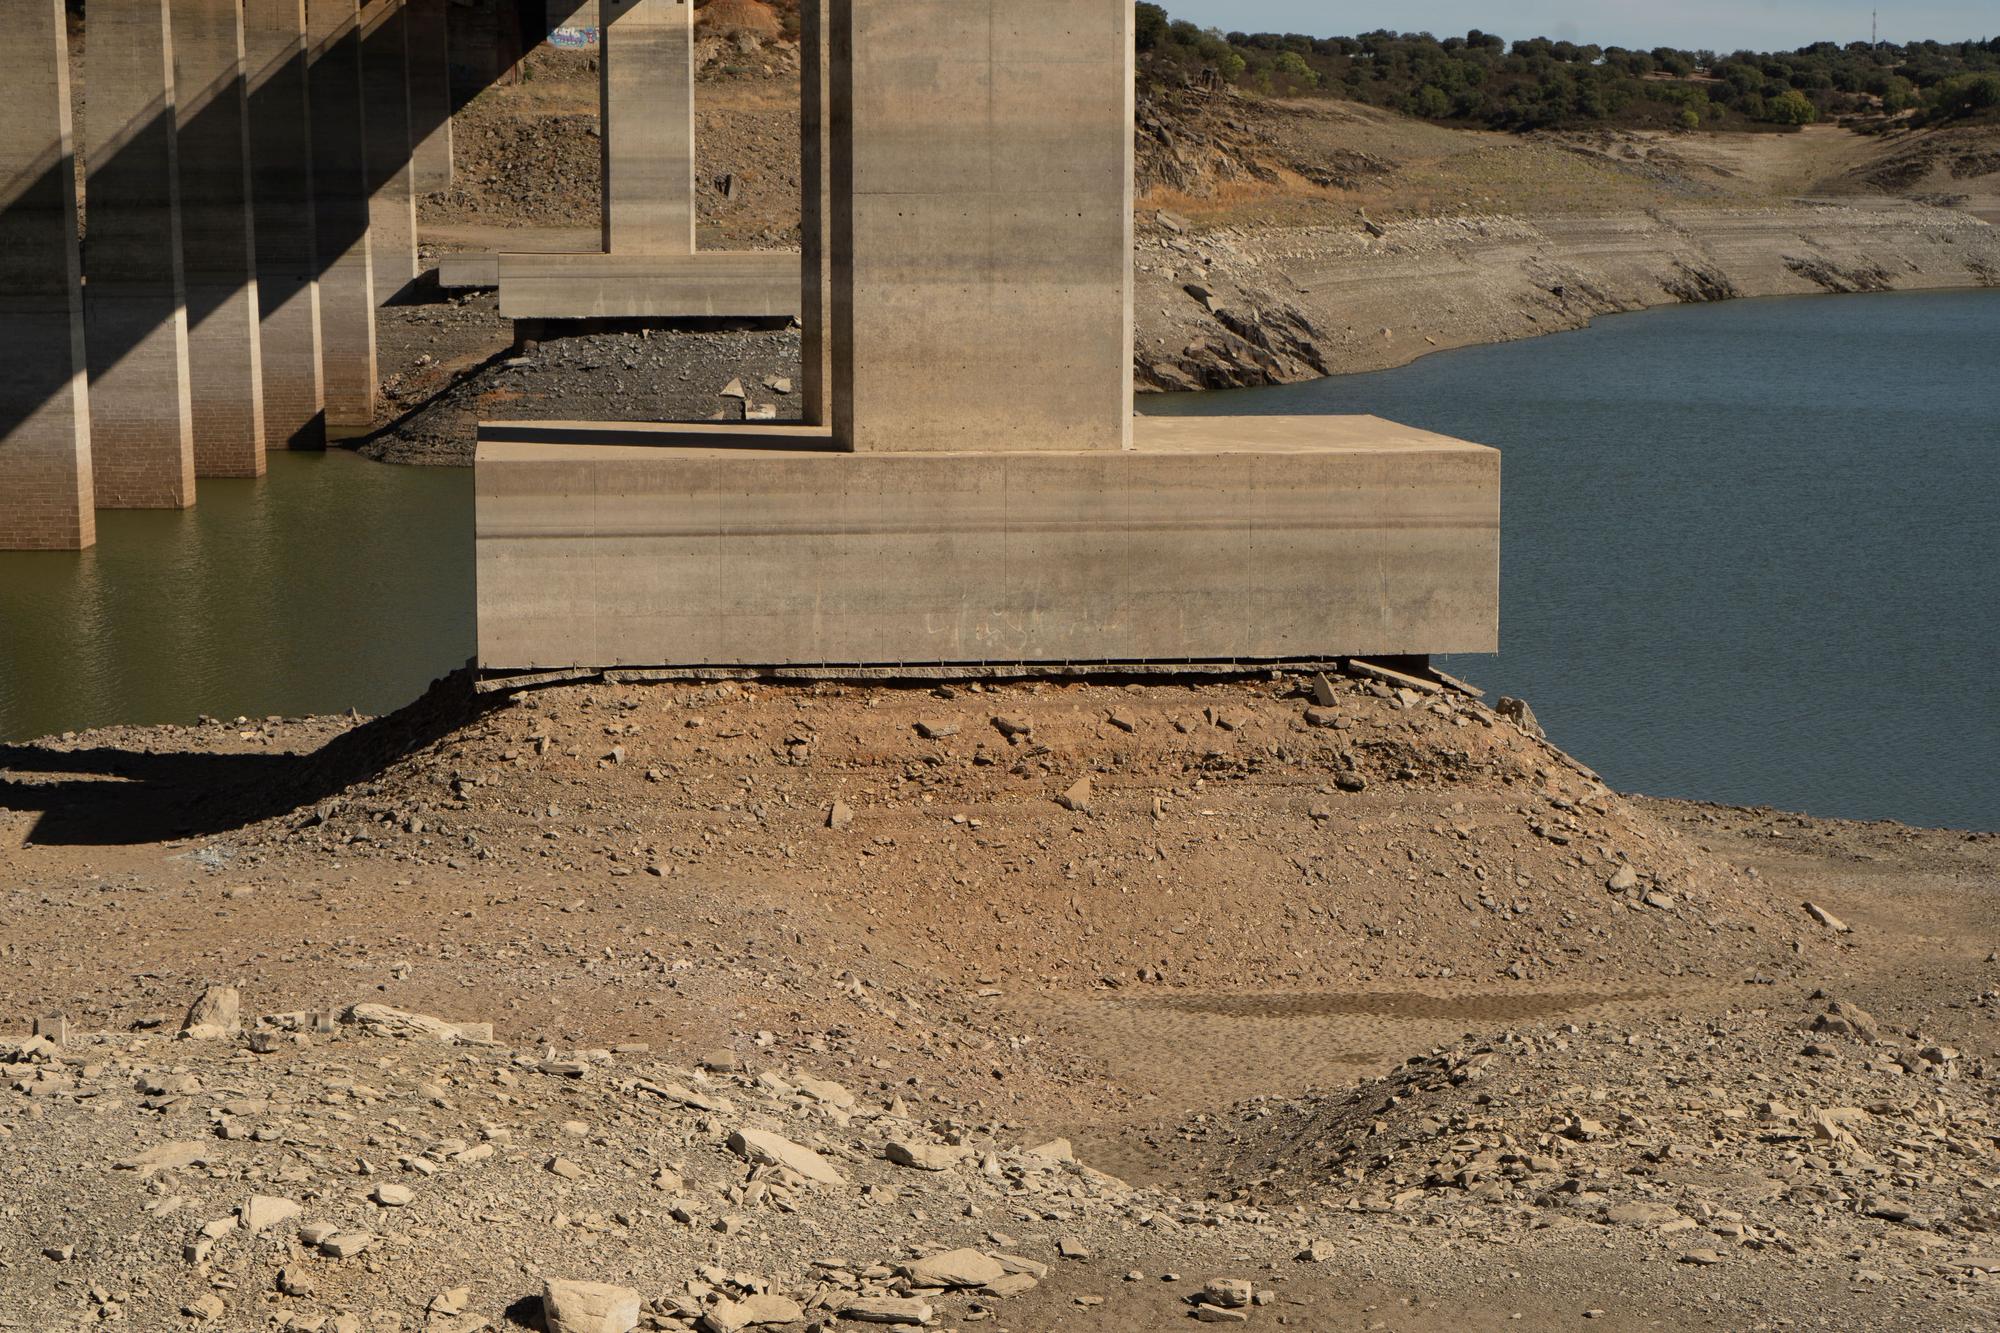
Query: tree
{"x": 1791, "y": 107}
{"x": 1293, "y": 66}
{"x": 1432, "y": 102}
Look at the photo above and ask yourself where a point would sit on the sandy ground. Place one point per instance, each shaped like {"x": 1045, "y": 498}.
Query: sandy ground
{"x": 1225, "y": 977}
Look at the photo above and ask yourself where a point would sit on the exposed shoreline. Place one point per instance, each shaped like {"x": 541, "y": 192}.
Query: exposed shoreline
{"x": 1295, "y": 304}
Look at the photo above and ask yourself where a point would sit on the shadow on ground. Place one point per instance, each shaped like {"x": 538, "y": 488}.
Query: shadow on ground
{"x": 108, "y": 797}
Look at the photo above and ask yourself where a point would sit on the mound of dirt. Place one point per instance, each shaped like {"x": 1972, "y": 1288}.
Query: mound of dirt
{"x": 729, "y": 18}
{"x": 1225, "y": 833}
{"x": 1812, "y": 1133}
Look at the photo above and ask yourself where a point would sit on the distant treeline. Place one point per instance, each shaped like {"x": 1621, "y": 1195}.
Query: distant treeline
{"x": 1483, "y": 79}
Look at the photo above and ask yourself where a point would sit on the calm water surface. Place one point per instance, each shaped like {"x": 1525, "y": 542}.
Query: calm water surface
{"x": 1750, "y": 552}
{"x": 330, "y": 583}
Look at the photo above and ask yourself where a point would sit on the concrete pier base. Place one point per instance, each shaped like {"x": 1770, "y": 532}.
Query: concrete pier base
{"x": 282, "y": 194}
{"x": 392, "y": 197}
{"x": 218, "y": 246}
{"x": 135, "y": 306}
{"x": 45, "y": 487}
{"x": 646, "y": 68}
{"x": 428, "y": 40}
{"x": 740, "y": 284}
{"x": 341, "y": 214}
{"x": 1247, "y": 540}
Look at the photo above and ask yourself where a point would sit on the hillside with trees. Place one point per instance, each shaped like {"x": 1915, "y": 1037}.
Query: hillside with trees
{"x": 1482, "y": 79}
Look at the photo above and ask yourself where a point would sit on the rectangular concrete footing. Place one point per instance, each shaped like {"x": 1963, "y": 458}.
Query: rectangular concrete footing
{"x": 1238, "y": 539}
{"x": 744, "y": 284}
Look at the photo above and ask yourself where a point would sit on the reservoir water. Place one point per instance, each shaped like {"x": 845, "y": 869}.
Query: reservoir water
{"x": 1751, "y": 553}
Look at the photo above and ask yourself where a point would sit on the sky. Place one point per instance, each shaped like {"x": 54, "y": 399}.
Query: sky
{"x": 1717, "y": 25}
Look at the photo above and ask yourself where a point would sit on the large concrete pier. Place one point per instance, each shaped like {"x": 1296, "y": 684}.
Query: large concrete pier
{"x": 135, "y": 307}
{"x": 45, "y": 464}
{"x": 341, "y": 213}
{"x": 392, "y": 199}
{"x": 646, "y": 62}
{"x": 982, "y": 495}
{"x": 218, "y": 245}
{"x": 281, "y": 148}
{"x": 429, "y": 47}
{"x": 983, "y": 222}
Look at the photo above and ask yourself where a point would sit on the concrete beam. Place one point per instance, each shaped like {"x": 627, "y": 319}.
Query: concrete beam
{"x": 646, "y": 81}
{"x": 982, "y": 223}
{"x": 45, "y": 485}
{"x": 392, "y": 195}
{"x": 135, "y": 302}
{"x": 281, "y": 148}
{"x": 816, "y": 276}
{"x": 218, "y": 239}
{"x": 728, "y": 284}
{"x": 429, "y": 38}
{"x": 1249, "y": 540}
{"x": 341, "y": 213}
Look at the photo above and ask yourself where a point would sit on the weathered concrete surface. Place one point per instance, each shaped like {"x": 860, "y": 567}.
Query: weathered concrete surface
{"x": 281, "y": 146}
{"x": 218, "y": 239}
{"x": 392, "y": 195}
{"x": 815, "y": 277}
{"x": 1247, "y": 539}
{"x": 646, "y": 67}
{"x": 429, "y": 45}
{"x": 741, "y": 284}
{"x": 341, "y": 213}
{"x": 135, "y": 306}
{"x": 982, "y": 222}
{"x": 45, "y": 490}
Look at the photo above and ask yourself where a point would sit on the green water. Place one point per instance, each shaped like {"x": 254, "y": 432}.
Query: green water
{"x": 330, "y": 583}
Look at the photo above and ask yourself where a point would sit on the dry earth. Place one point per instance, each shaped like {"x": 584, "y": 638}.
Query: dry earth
{"x": 1376, "y": 978}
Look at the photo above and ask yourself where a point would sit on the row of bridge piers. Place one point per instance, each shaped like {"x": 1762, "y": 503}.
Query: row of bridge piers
{"x": 206, "y": 287}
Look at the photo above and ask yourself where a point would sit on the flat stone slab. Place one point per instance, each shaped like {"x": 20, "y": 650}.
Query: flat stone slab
{"x": 1239, "y": 539}
{"x": 718, "y": 284}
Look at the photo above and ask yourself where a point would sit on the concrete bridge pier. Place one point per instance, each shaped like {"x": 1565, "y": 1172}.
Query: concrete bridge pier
{"x": 646, "y": 82}
{"x": 218, "y": 242}
{"x": 392, "y": 199}
{"x": 815, "y": 278}
{"x": 135, "y": 304}
{"x": 281, "y": 181}
{"x": 45, "y": 483}
{"x": 341, "y": 213}
{"x": 428, "y": 38}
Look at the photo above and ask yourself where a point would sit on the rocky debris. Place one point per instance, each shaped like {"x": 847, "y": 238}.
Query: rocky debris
{"x": 1827, "y": 919}
{"x": 379, "y": 1020}
{"x": 1077, "y": 797}
{"x": 1522, "y": 716}
{"x": 886, "y": 1310}
{"x": 215, "y": 1014}
{"x": 768, "y": 1149}
{"x": 588, "y": 1307}
{"x": 923, "y": 1156}
{"x": 955, "y": 1268}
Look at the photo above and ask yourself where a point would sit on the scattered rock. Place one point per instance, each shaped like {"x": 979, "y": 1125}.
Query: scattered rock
{"x": 588, "y": 1307}
{"x": 214, "y": 1015}
{"x": 955, "y": 1268}
{"x": 768, "y": 1149}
